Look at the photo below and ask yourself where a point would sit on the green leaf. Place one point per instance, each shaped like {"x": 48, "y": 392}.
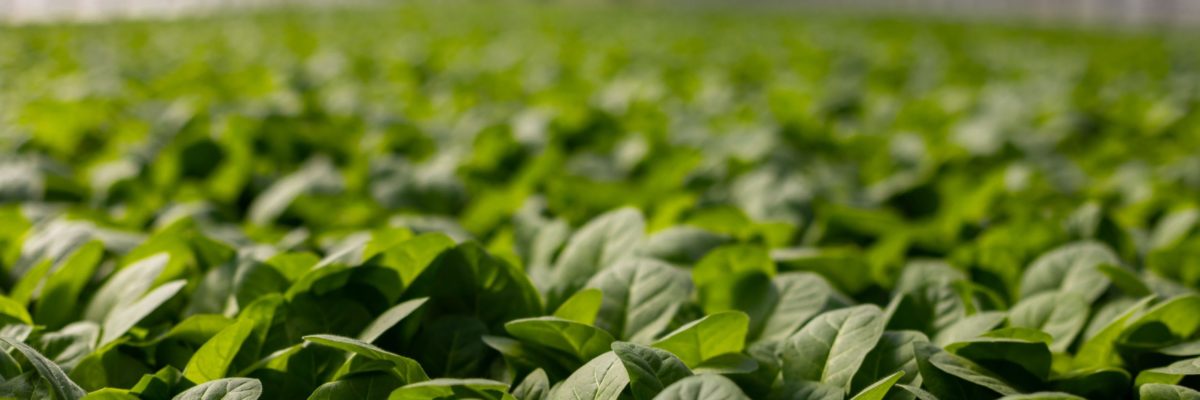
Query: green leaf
{"x": 369, "y": 386}
{"x": 708, "y": 337}
{"x": 807, "y": 390}
{"x": 844, "y": 267}
{"x": 390, "y": 318}
{"x": 802, "y": 296}
{"x": 1165, "y": 324}
{"x": 212, "y": 360}
{"x": 949, "y": 376}
{"x": 736, "y": 277}
{"x": 535, "y": 386}
{"x": 11, "y": 308}
{"x": 832, "y": 347}
{"x": 1126, "y": 280}
{"x": 410, "y": 257}
{"x": 969, "y": 327}
{"x": 110, "y": 394}
{"x": 598, "y": 245}
{"x": 1158, "y": 391}
{"x": 650, "y": 369}
{"x": 929, "y": 298}
{"x": 1061, "y": 314}
{"x": 126, "y": 286}
{"x": 1094, "y": 382}
{"x": 681, "y": 244}
{"x": 1042, "y": 396}
{"x": 702, "y": 387}
{"x": 582, "y": 341}
{"x": 893, "y": 353}
{"x": 727, "y": 364}
{"x": 1070, "y": 268}
{"x": 581, "y": 307}
{"x": 317, "y": 174}
{"x": 467, "y": 280}
{"x": 53, "y": 308}
{"x": 224, "y": 389}
{"x": 1171, "y": 374}
{"x": 878, "y": 390}
{"x": 1100, "y": 350}
{"x": 602, "y": 378}
{"x": 448, "y": 388}
{"x": 62, "y": 387}
{"x": 1031, "y": 355}
{"x": 122, "y": 319}
{"x": 640, "y": 298}
{"x": 407, "y": 369}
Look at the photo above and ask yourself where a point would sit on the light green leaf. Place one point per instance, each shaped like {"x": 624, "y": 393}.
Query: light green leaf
{"x": 736, "y": 277}
{"x": 582, "y": 341}
{"x": 598, "y": 245}
{"x": 702, "y": 387}
{"x": 410, "y": 257}
{"x": 1158, "y": 391}
{"x": 224, "y": 389}
{"x": 708, "y": 337}
{"x": 213, "y": 359}
{"x": 1061, "y": 314}
{"x": 125, "y": 286}
{"x": 11, "y": 308}
{"x": 1171, "y": 374}
{"x": 56, "y": 303}
{"x": 879, "y": 389}
{"x": 122, "y": 319}
{"x": 581, "y": 307}
{"x": 969, "y": 327}
{"x": 602, "y": 378}
{"x": 110, "y": 394}
{"x": 832, "y": 347}
{"x": 802, "y": 296}
{"x": 361, "y": 386}
{"x": 390, "y": 318}
{"x": 451, "y": 388}
{"x": 650, "y": 369}
{"x": 1165, "y": 324}
{"x": 640, "y": 298}
{"x": 1100, "y": 350}
{"x": 535, "y": 386}
{"x": 1070, "y": 268}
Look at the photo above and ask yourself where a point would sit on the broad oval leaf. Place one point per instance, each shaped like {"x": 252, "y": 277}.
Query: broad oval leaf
{"x": 122, "y": 319}
{"x": 650, "y": 369}
{"x": 602, "y": 378}
{"x": 598, "y": 245}
{"x": 702, "y": 387}
{"x": 582, "y": 341}
{"x": 1070, "y": 268}
{"x": 1061, "y": 314}
{"x": 832, "y": 347}
{"x": 224, "y": 389}
{"x": 640, "y": 298}
{"x": 706, "y": 338}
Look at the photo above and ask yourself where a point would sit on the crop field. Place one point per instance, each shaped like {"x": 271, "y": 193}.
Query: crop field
{"x": 464, "y": 200}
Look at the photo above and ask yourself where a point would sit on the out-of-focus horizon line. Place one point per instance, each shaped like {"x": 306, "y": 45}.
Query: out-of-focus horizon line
{"x": 1082, "y": 12}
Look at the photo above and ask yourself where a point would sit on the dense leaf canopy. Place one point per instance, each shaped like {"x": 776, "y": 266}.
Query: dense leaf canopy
{"x": 436, "y": 201}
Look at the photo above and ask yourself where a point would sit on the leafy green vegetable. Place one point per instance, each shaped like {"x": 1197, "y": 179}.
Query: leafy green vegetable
{"x": 435, "y": 200}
